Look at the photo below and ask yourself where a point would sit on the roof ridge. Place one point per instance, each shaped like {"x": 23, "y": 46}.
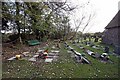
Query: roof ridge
{"x": 114, "y": 22}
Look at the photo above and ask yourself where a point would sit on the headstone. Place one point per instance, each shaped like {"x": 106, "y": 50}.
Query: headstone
{"x": 58, "y": 45}
{"x": 73, "y": 42}
{"x": 104, "y": 56}
{"x": 106, "y": 49}
{"x": 88, "y": 42}
{"x": 117, "y": 50}
{"x": 85, "y": 43}
{"x": 18, "y": 57}
{"x": 96, "y": 39}
{"x": 78, "y": 58}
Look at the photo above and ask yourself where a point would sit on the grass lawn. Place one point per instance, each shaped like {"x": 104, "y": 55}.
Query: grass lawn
{"x": 106, "y": 69}
{"x": 65, "y": 67}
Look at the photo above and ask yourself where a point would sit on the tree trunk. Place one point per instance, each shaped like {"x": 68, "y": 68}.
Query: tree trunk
{"x": 17, "y": 21}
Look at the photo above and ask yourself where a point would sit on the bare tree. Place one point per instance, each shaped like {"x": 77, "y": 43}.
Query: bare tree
{"x": 82, "y": 21}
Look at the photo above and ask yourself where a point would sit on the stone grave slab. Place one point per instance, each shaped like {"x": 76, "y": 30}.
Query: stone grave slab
{"x": 70, "y": 48}
{"x": 32, "y": 59}
{"x": 35, "y": 56}
{"x": 89, "y": 52}
{"x": 40, "y": 50}
{"x": 69, "y": 51}
{"x": 94, "y": 47}
{"x": 48, "y": 59}
{"x": 55, "y": 51}
{"x": 25, "y": 54}
{"x": 51, "y": 54}
{"x": 55, "y": 58}
{"x": 77, "y": 53}
{"x": 87, "y": 45}
{"x": 72, "y": 55}
{"x": 12, "y": 58}
{"x": 53, "y": 47}
{"x": 81, "y": 47}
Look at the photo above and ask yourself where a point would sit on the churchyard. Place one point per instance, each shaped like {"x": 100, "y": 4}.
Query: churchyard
{"x": 62, "y": 62}
{"x": 41, "y": 40}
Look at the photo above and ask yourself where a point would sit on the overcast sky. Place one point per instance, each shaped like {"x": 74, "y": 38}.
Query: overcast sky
{"x": 104, "y": 10}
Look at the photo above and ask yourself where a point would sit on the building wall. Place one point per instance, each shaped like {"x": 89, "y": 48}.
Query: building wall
{"x": 110, "y": 36}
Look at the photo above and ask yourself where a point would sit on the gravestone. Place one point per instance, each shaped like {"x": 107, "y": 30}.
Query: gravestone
{"x": 106, "y": 50}
{"x": 104, "y": 57}
{"x": 117, "y": 50}
{"x": 91, "y": 44}
{"x": 73, "y": 42}
{"x": 96, "y": 39}
{"x": 88, "y": 42}
{"x": 85, "y": 43}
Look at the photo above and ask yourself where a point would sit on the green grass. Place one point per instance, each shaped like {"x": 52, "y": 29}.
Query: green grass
{"x": 106, "y": 69}
{"x": 65, "y": 67}
{"x": 18, "y": 69}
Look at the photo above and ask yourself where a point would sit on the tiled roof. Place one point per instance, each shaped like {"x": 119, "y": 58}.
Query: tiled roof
{"x": 115, "y": 22}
